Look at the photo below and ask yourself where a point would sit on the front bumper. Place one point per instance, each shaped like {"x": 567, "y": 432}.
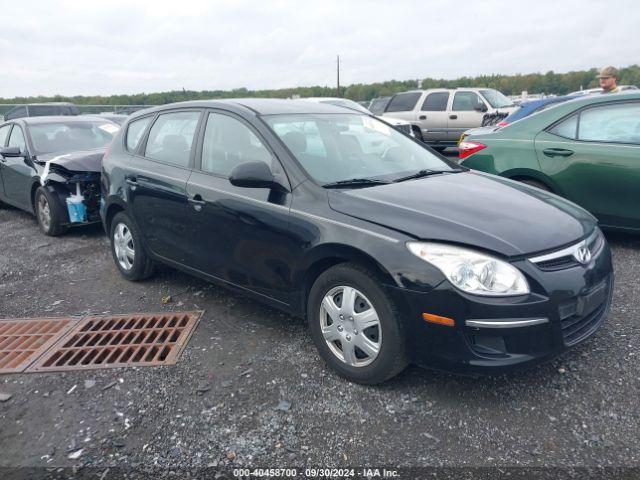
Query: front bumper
{"x": 497, "y": 335}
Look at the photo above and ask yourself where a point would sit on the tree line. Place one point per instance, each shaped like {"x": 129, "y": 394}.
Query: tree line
{"x": 547, "y": 83}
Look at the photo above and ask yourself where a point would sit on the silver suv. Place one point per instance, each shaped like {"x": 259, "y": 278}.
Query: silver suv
{"x": 439, "y": 116}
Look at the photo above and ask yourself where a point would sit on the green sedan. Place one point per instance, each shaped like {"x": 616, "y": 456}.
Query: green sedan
{"x": 587, "y": 150}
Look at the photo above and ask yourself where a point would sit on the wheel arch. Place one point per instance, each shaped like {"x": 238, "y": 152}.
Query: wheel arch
{"x": 110, "y": 212}
{"x": 34, "y": 188}
{"x": 520, "y": 174}
{"x": 323, "y": 257}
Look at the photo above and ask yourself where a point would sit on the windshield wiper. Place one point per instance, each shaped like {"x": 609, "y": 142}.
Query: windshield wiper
{"x": 355, "y": 182}
{"x": 424, "y": 173}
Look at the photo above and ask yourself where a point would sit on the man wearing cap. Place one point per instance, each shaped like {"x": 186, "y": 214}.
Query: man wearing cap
{"x": 608, "y": 78}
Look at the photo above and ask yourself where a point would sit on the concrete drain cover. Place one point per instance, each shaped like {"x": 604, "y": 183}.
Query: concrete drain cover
{"x": 100, "y": 342}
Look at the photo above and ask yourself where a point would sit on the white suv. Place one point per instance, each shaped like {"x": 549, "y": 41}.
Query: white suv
{"x": 439, "y": 116}
{"x": 398, "y": 123}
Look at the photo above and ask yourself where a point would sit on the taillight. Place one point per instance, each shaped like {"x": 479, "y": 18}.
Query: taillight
{"x": 503, "y": 124}
{"x": 466, "y": 149}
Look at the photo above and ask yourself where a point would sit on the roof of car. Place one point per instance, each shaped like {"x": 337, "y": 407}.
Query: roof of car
{"x": 60, "y": 118}
{"x": 442, "y": 89}
{"x": 64, "y": 104}
{"x": 606, "y": 97}
{"x": 261, "y": 106}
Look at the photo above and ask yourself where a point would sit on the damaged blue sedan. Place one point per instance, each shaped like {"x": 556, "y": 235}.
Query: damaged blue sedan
{"x": 50, "y": 167}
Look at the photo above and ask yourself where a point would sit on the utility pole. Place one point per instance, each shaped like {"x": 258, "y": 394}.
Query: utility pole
{"x": 338, "y": 78}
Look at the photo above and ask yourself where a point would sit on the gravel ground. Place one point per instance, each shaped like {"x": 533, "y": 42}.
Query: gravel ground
{"x": 581, "y": 409}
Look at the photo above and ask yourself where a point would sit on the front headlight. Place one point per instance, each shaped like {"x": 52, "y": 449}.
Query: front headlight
{"x": 471, "y": 271}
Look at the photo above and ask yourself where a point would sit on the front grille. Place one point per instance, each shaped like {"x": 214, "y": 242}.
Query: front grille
{"x": 558, "y": 263}
{"x": 565, "y": 258}
{"x": 404, "y": 128}
{"x": 576, "y": 328}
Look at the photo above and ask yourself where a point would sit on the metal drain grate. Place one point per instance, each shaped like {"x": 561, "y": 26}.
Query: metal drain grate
{"x": 119, "y": 341}
{"x": 23, "y": 341}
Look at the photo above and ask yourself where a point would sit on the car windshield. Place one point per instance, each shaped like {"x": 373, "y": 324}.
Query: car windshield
{"x": 496, "y": 99}
{"x": 339, "y": 147}
{"x": 71, "y": 136}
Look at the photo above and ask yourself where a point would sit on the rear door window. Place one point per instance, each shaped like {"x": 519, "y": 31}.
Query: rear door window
{"x": 135, "y": 131}
{"x": 171, "y": 137}
{"x": 403, "y": 102}
{"x": 611, "y": 124}
{"x": 466, "y": 102}
{"x": 436, "y": 102}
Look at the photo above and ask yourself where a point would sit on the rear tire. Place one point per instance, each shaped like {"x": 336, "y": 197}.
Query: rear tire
{"x": 49, "y": 213}
{"x": 361, "y": 340}
{"x": 127, "y": 250}
{"x": 535, "y": 183}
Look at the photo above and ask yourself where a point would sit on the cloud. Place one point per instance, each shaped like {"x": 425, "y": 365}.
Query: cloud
{"x": 78, "y": 47}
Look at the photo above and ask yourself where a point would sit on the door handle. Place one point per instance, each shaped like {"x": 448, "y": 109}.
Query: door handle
{"x": 557, "y": 152}
{"x": 197, "y": 202}
{"x": 422, "y": 117}
{"x": 132, "y": 182}
{"x": 453, "y": 117}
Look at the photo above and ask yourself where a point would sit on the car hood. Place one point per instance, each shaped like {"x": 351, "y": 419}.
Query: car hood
{"x": 470, "y": 208}
{"x": 82, "y": 161}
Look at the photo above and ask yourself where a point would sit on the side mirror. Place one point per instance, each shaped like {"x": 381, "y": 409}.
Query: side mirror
{"x": 11, "y": 152}
{"x": 481, "y": 108}
{"x": 255, "y": 175}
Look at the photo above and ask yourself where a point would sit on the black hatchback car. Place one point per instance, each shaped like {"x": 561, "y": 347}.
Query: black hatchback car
{"x": 391, "y": 252}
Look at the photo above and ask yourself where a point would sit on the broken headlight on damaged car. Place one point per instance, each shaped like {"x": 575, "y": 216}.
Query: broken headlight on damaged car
{"x": 471, "y": 271}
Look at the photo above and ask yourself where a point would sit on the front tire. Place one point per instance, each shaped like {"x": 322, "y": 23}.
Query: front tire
{"x": 126, "y": 248}
{"x": 355, "y": 325}
{"x": 49, "y": 213}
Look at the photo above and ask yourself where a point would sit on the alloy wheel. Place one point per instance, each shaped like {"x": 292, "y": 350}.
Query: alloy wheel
{"x": 350, "y": 326}
{"x": 123, "y": 246}
{"x": 44, "y": 212}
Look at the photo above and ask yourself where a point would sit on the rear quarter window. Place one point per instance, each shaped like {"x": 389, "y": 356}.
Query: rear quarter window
{"x": 566, "y": 128}
{"x": 135, "y": 131}
{"x": 171, "y": 137}
{"x": 403, "y": 102}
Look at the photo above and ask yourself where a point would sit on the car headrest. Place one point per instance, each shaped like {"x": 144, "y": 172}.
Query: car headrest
{"x": 175, "y": 143}
{"x": 296, "y": 141}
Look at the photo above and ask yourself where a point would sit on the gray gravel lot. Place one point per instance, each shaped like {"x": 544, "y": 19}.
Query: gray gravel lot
{"x": 254, "y": 357}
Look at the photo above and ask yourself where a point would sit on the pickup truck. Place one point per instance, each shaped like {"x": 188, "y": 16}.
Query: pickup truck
{"x": 439, "y": 116}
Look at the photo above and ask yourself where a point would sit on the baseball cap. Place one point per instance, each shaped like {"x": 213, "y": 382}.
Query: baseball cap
{"x": 609, "y": 72}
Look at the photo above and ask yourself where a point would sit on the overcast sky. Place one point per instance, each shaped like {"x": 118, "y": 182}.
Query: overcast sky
{"x": 107, "y": 47}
